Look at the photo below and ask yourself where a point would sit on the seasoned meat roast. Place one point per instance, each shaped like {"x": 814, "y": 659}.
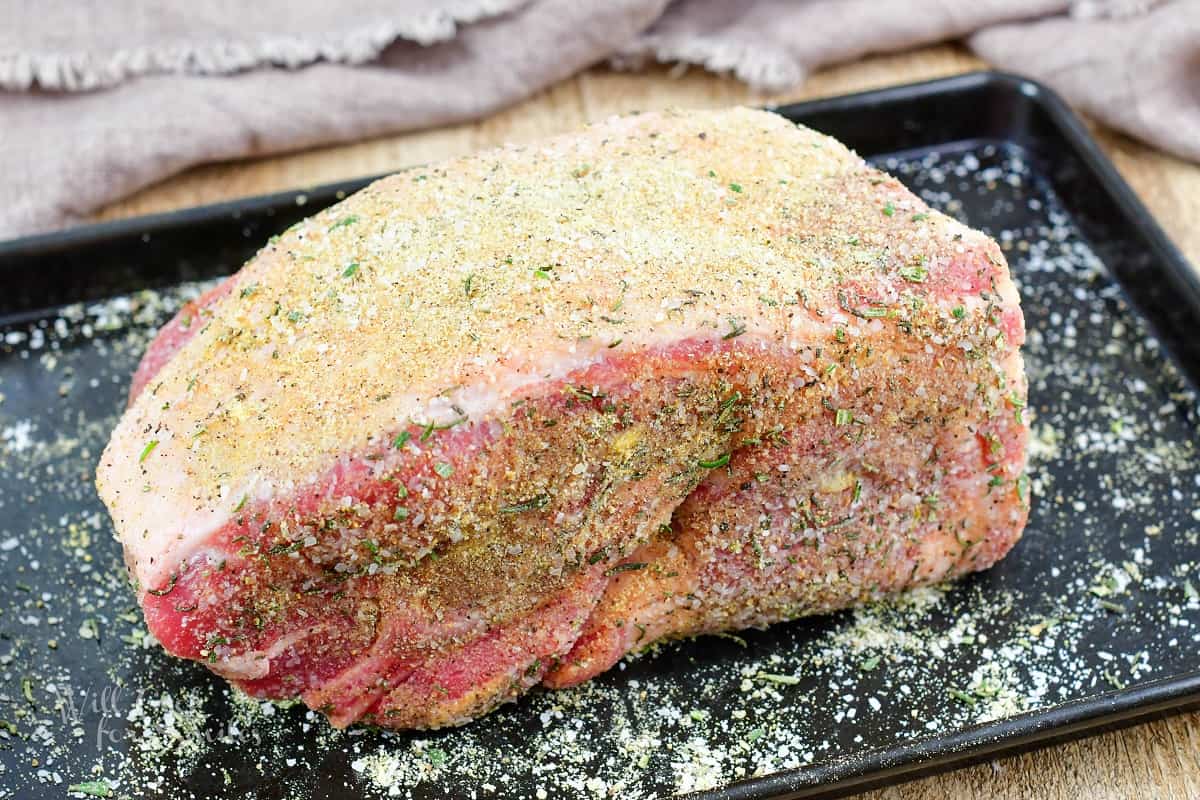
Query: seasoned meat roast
{"x": 498, "y": 422}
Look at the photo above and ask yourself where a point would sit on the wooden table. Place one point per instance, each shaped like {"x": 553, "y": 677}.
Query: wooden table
{"x": 1160, "y": 759}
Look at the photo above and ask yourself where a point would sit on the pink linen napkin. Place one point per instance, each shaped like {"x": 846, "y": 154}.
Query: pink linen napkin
{"x": 98, "y": 99}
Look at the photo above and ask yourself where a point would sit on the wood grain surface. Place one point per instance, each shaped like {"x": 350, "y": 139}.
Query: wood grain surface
{"x": 1159, "y": 759}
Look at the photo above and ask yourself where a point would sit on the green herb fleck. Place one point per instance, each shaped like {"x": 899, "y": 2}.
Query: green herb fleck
{"x": 96, "y": 788}
{"x": 344, "y": 221}
{"x": 736, "y": 328}
{"x": 1023, "y": 488}
{"x": 889, "y": 209}
{"x": 147, "y": 450}
{"x": 958, "y": 312}
{"x": 532, "y": 504}
{"x": 1019, "y": 408}
{"x": 843, "y": 416}
{"x": 735, "y": 187}
{"x": 716, "y": 463}
{"x": 401, "y": 439}
{"x": 350, "y": 270}
{"x": 770, "y": 677}
{"x": 915, "y": 273}
{"x": 443, "y": 469}
{"x": 168, "y": 589}
{"x": 1109, "y": 605}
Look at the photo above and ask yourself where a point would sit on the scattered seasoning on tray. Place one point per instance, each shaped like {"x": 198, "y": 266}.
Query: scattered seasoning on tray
{"x": 91, "y": 707}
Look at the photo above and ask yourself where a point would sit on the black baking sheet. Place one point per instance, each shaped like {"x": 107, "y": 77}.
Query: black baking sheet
{"x": 1094, "y": 618}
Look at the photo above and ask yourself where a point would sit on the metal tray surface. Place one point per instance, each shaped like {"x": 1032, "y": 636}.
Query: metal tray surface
{"x": 1093, "y": 619}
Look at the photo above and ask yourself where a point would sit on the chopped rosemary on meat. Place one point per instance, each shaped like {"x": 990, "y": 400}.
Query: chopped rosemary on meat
{"x": 170, "y": 587}
{"x": 1023, "y": 488}
{"x": 1018, "y": 405}
{"x": 443, "y": 469}
{"x": 532, "y": 504}
{"x": 631, "y": 566}
{"x": 716, "y": 463}
{"x": 401, "y": 439}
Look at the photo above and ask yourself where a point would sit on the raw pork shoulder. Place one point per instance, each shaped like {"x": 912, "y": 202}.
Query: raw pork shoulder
{"x": 498, "y": 422}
